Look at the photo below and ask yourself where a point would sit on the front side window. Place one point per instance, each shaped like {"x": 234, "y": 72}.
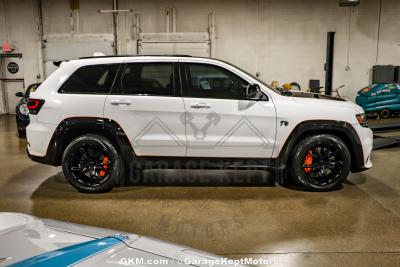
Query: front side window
{"x": 148, "y": 79}
{"x": 209, "y": 81}
{"x": 93, "y": 79}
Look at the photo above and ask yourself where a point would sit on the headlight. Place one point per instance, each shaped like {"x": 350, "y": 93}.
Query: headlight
{"x": 362, "y": 119}
{"x": 24, "y": 109}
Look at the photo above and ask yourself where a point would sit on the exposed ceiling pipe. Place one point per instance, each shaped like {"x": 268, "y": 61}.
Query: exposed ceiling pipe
{"x": 41, "y": 42}
{"x": 137, "y": 31}
{"x": 211, "y": 32}
{"x": 115, "y": 26}
{"x": 378, "y": 31}
{"x": 115, "y": 12}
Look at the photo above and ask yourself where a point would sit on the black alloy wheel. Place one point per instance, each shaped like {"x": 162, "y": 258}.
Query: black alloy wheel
{"x": 321, "y": 162}
{"x": 91, "y": 164}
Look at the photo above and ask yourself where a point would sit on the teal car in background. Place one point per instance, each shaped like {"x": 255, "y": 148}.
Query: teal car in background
{"x": 381, "y": 98}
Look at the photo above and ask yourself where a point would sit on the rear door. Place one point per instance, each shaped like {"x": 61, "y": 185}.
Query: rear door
{"x": 146, "y": 102}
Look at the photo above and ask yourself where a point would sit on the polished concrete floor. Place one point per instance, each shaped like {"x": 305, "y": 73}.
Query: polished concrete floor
{"x": 237, "y": 214}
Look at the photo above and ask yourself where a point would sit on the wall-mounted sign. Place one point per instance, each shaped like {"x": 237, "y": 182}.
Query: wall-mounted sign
{"x": 6, "y": 47}
{"x": 12, "y": 67}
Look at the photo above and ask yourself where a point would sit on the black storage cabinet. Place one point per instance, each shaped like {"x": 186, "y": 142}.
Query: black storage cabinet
{"x": 383, "y": 74}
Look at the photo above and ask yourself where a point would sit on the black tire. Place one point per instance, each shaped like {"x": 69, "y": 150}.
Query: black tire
{"x": 385, "y": 114}
{"x": 329, "y": 166}
{"x": 21, "y": 134}
{"x": 85, "y": 158}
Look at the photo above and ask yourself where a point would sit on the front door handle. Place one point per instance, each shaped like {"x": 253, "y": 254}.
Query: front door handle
{"x": 120, "y": 102}
{"x": 200, "y": 105}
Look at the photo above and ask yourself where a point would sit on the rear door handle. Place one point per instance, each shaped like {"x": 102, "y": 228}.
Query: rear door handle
{"x": 120, "y": 102}
{"x": 200, "y": 105}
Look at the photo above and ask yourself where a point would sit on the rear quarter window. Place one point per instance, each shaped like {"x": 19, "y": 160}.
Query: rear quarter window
{"x": 92, "y": 79}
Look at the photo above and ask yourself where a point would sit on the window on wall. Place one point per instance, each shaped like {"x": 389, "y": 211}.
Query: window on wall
{"x": 93, "y": 79}
{"x": 210, "y": 81}
{"x": 148, "y": 79}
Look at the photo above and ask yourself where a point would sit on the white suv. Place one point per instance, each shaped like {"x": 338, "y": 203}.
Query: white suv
{"x": 105, "y": 119}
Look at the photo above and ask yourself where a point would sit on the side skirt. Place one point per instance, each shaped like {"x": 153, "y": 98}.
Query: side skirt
{"x": 204, "y": 163}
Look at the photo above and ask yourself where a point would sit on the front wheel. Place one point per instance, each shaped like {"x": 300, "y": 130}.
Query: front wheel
{"x": 91, "y": 164}
{"x": 320, "y": 162}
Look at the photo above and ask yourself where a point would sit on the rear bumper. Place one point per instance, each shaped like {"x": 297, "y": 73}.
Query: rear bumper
{"x": 38, "y": 136}
{"x": 43, "y": 160}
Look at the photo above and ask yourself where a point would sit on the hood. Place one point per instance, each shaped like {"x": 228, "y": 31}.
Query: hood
{"x": 314, "y": 95}
{"x": 29, "y": 241}
{"x": 311, "y": 99}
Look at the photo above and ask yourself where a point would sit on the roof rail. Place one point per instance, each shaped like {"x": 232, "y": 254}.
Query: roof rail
{"x": 173, "y": 55}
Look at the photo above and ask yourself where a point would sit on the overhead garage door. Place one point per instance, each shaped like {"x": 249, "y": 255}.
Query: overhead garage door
{"x": 194, "y": 44}
{"x": 60, "y": 50}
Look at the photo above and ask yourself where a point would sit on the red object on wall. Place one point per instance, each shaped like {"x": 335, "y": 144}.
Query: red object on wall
{"x": 6, "y": 47}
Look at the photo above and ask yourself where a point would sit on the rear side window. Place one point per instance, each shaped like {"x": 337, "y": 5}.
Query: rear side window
{"x": 94, "y": 79}
{"x": 148, "y": 79}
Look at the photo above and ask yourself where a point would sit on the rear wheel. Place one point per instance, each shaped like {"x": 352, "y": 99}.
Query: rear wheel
{"x": 320, "y": 162}
{"x": 91, "y": 164}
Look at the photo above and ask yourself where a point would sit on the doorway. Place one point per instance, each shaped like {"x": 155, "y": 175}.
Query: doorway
{"x": 11, "y": 81}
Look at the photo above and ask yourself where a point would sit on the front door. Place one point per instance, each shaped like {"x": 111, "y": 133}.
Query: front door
{"x": 146, "y": 102}
{"x": 220, "y": 122}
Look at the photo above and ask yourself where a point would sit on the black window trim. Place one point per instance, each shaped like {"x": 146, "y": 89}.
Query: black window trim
{"x": 59, "y": 91}
{"x": 185, "y": 84}
{"x": 177, "y": 86}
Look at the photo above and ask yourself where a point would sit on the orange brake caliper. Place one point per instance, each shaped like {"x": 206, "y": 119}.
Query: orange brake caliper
{"x": 106, "y": 161}
{"x": 308, "y": 161}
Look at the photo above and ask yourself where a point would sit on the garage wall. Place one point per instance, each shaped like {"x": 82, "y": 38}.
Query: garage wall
{"x": 18, "y": 27}
{"x": 283, "y": 40}
{"x": 57, "y": 17}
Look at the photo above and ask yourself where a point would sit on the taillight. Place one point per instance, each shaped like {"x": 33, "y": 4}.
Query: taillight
{"x": 34, "y": 105}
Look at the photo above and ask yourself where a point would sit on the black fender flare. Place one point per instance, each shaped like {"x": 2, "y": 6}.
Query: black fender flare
{"x": 70, "y": 128}
{"x": 342, "y": 129}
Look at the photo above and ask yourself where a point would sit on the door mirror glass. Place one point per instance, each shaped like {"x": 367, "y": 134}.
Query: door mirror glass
{"x": 253, "y": 92}
{"x": 19, "y": 94}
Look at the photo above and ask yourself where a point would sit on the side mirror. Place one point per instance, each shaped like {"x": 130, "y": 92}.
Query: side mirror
{"x": 19, "y": 94}
{"x": 253, "y": 92}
